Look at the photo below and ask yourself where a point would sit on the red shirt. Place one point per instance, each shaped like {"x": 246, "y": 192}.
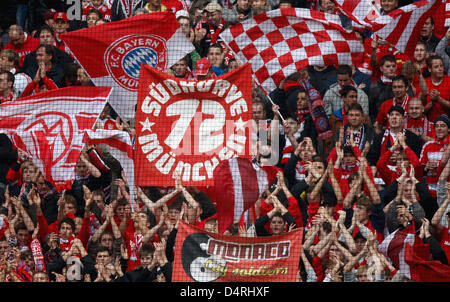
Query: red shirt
{"x": 389, "y": 175}
{"x": 433, "y": 151}
{"x": 382, "y": 118}
{"x": 28, "y": 46}
{"x": 444, "y": 91}
{"x": 444, "y": 240}
{"x": 108, "y": 123}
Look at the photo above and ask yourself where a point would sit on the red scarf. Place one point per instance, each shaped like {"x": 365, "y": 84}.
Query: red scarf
{"x": 421, "y": 125}
{"x": 66, "y": 244}
{"x": 301, "y": 115}
{"x": 215, "y": 33}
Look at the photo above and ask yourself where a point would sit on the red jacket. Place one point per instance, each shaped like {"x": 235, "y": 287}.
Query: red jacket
{"x": 389, "y": 176}
{"x": 28, "y": 46}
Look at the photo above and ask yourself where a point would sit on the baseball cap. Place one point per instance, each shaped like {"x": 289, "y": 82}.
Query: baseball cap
{"x": 202, "y": 66}
{"x": 49, "y": 13}
{"x": 212, "y": 7}
{"x": 181, "y": 13}
{"x": 61, "y": 15}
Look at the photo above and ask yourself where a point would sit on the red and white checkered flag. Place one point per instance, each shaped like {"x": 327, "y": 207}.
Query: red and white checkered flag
{"x": 361, "y": 12}
{"x": 402, "y": 27}
{"x": 280, "y": 42}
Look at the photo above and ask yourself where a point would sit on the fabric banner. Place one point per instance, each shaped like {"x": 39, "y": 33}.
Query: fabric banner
{"x": 402, "y": 26}
{"x": 206, "y": 257}
{"x": 112, "y": 53}
{"x": 280, "y": 42}
{"x": 119, "y": 145}
{"x": 49, "y": 127}
{"x": 244, "y": 183}
{"x": 188, "y": 127}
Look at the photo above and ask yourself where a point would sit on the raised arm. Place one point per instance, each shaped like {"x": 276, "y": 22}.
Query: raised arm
{"x": 334, "y": 184}
{"x": 318, "y": 186}
{"x": 347, "y": 203}
{"x": 436, "y": 220}
{"x": 368, "y": 181}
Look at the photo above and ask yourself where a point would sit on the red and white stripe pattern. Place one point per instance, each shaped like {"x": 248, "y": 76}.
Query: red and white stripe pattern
{"x": 280, "y": 42}
{"x": 394, "y": 247}
{"x": 447, "y": 14}
{"x": 411, "y": 256}
{"x": 118, "y": 144}
{"x": 238, "y": 183}
{"x": 402, "y": 27}
{"x": 48, "y": 127}
{"x": 361, "y": 12}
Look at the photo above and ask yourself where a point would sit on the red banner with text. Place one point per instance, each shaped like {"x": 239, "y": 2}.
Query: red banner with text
{"x": 188, "y": 127}
{"x": 208, "y": 257}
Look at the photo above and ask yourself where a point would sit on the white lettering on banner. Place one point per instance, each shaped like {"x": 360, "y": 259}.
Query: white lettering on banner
{"x": 215, "y": 136}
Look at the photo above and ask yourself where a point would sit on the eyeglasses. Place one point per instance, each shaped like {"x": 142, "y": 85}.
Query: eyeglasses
{"x": 107, "y": 239}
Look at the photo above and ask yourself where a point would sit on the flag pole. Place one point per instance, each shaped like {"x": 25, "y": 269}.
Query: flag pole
{"x": 267, "y": 95}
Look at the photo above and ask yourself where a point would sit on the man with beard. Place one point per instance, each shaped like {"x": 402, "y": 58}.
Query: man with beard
{"x": 209, "y": 32}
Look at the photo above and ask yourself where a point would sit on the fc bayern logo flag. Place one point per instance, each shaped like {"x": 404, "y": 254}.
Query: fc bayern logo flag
{"x": 112, "y": 53}
{"x": 188, "y": 127}
{"x": 49, "y": 127}
{"x": 201, "y": 256}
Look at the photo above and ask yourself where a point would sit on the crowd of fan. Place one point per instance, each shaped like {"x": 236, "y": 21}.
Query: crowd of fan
{"x": 384, "y": 166}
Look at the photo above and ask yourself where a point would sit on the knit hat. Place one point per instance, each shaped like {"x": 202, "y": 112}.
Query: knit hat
{"x": 443, "y": 118}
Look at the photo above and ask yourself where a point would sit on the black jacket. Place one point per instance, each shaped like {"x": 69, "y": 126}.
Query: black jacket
{"x": 56, "y": 73}
{"x": 142, "y": 274}
{"x": 413, "y": 141}
{"x": 8, "y": 156}
{"x": 378, "y": 93}
{"x": 262, "y": 220}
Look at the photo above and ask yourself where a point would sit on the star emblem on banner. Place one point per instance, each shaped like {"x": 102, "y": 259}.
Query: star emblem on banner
{"x": 146, "y": 125}
{"x": 240, "y": 124}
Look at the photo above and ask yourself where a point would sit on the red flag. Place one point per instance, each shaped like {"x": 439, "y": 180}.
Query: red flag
{"x": 49, "y": 127}
{"x": 402, "y": 26}
{"x": 411, "y": 256}
{"x": 117, "y": 50}
{"x": 447, "y": 14}
{"x": 280, "y": 42}
{"x": 206, "y": 257}
{"x": 188, "y": 127}
{"x": 119, "y": 145}
{"x": 238, "y": 183}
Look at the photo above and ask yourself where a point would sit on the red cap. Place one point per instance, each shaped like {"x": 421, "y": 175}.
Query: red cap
{"x": 61, "y": 15}
{"x": 202, "y": 67}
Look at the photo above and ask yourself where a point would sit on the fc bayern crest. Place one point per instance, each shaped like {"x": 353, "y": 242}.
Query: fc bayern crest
{"x": 123, "y": 58}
